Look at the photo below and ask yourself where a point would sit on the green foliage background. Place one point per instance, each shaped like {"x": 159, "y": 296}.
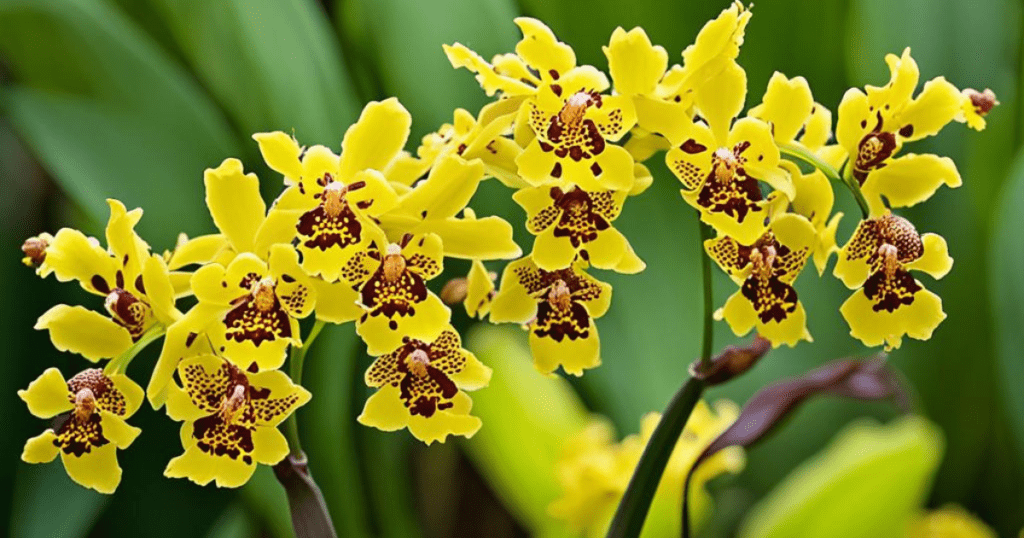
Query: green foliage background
{"x": 135, "y": 98}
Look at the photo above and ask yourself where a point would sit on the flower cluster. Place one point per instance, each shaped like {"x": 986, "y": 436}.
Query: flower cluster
{"x": 358, "y": 235}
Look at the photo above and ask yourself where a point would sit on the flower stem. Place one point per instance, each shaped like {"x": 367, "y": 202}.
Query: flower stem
{"x": 636, "y": 502}
{"x": 705, "y": 266}
{"x": 295, "y": 364}
{"x": 806, "y": 156}
{"x": 120, "y": 364}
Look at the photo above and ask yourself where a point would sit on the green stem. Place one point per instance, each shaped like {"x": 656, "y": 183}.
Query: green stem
{"x": 806, "y": 156}
{"x": 295, "y": 364}
{"x": 636, "y": 502}
{"x": 120, "y": 364}
{"x": 709, "y": 327}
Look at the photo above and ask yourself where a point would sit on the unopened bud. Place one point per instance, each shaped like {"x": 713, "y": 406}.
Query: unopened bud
{"x": 983, "y": 102}
{"x": 455, "y": 291}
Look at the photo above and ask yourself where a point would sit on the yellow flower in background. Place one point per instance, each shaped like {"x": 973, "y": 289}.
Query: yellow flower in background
{"x": 766, "y": 271}
{"x": 663, "y": 97}
{"x": 889, "y": 302}
{"x": 468, "y": 137}
{"x": 391, "y": 282}
{"x": 339, "y": 197}
{"x": 575, "y": 128}
{"x": 254, "y": 307}
{"x": 135, "y": 286}
{"x": 230, "y": 418}
{"x": 721, "y": 167}
{"x": 559, "y": 307}
{"x": 92, "y": 409}
{"x": 573, "y": 222}
{"x": 873, "y": 126}
{"x": 975, "y": 106}
{"x": 421, "y": 386}
{"x": 594, "y": 471}
{"x": 950, "y": 521}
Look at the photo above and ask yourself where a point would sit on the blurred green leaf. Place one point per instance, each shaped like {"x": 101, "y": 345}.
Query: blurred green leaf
{"x": 868, "y": 483}
{"x": 233, "y": 523}
{"x": 36, "y": 487}
{"x": 404, "y": 38}
{"x": 108, "y": 113}
{"x": 1007, "y": 267}
{"x": 271, "y": 64}
{"x": 265, "y": 498}
{"x": 527, "y": 418}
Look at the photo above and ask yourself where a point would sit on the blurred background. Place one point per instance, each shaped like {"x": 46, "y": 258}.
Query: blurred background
{"x": 133, "y": 99}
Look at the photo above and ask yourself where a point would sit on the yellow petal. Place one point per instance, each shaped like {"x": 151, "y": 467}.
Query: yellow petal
{"x": 826, "y": 244}
{"x": 535, "y": 164}
{"x": 916, "y": 320}
{"x": 936, "y": 105}
{"x": 159, "y": 289}
{"x": 198, "y": 250}
{"x": 616, "y": 166}
{"x": 376, "y": 138}
{"x": 90, "y": 334}
{"x": 96, "y": 469}
{"x": 73, "y": 256}
{"x": 131, "y": 391}
{"x": 691, "y": 160}
{"x": 786, "y": 105}
{"x": 745, "y": 232}
{"x": 904, "y": 76}
{"x": 277, "y": 228}
{"x": 384, "y": 410}
{"x": 720, "y": 38}
{"x": 818, "y": 128}
{"x": 474, "y": 375}
{"x": 552, "y": 253}
{"x": 573, "y": 356}
{"x": 235, "y": 203}
{"x": 180, "y": 407}
{"x": 285, "y": 397}
{"x": 456, "y": 421}
{"x": 281, "y": 153}
{"x": 489, "y": 238}
{"x": 741, "y": 316}
{"x": 721, "y": 99}
{"x": 762, "y": 155}
{"x": 852, "y": 265}
{"x": 513, "y": 303}
{"x": 41, "y": 448}
{"x": 48, "y": 395}
{"x": 209, "y": 285}
{"x": 853, "y": 110}
{"x": 117, "y": 431}
{"x": 636, "y": 66}
{"x": 383, "y": 334}
{"x": 668, "y": 118}
{"x": 936, "y": 260}
{"x": 608, "y": 249}
{"x": 445, "y": 192}
{"x": 643, "y": 179}
{"x": 377, "y": 192}
{"x": 479, "y": 290}
{"x": 122, "y": 242}
{"x": 814, "y": 196}
{"x": 490, "y": 80}
{"x": 184, "y": 338}
{"x": 202, "y": 468}
{"x": 541, "y": 50}
{"x": 794, "y": 232}
{"x": 337, "y": 302}
{"x": 294, "y": 288}
{"x": 909, "y": 180}
{"x": 269, "y": 446}
{"x": 630, "y": 263}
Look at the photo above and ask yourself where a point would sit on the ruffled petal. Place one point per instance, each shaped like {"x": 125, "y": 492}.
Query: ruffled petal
{"x": 854, "y": 120}
{"x": 541, "y": 50}
{"x": 281, "y": 153}
{"x": 937, "y": 105}
{"x": 235, "y": 204}
{"x": 376, "y": 138}
{"x": 198, "y": 250}
{"x": 741, "y": 316}
{"x": 445, "y": 192}
{"x": 123, "y": 243}
{"x": 904, "y": 76}
{"x": 119, "y": 432}
{"x": 909, "y": 180}
{"x": 73, "y": 256}
{"x": 42, "y": 448}
{"x": 456, "y": 421}
{"x": 721, "y": 99}
{"x": 90, "y": 334}
{"x": 874, "y": 328}
{"x": 381, "y": 332}
{"x": 787, "y": 105}
{"x": 490, "y": 80}
{"x": 47, "y": 396}
{"x": 96, "y": 469}
{"x": 474, "y": 375}
{"x": 636, "y": 66}
{"x": 936, "y": 260}
{"x": 202, "y": 468}
{"x": 573, "y": 355}
{"x": 269, "y": 446}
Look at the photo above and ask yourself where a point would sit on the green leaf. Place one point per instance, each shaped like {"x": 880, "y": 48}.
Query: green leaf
{"x": 109, "y": 114}
{"x": 404, "y": 39}
{"x": 517, "y": 406}
{"x": 48, "y": 503}
{"x": 233, "y": 523}
{"x": 265, "y": 497}
{"x": 271, "y": 64}
{"x": 1007, "y": 292}
{"x": 869, "y": 482}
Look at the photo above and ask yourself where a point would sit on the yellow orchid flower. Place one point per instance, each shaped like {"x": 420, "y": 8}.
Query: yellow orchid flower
{"x": 950, "y": 521}
{"x": 391, "y": 282}
{"x": 135, "y": 286}
{"x": 229, "y": 420}
{"x": 421, "y": 387}
{"x": 720, "y": 167}
{"x": 253, "y": 307}
{"x": 339, "y": 196}
{"x": 468, "y": 137}
{"x": 975, "y": 106}
{"x": 594, "y": 471}
{"x": 92, "y": 409}
{"x": 575, "y": 222}
{"x": 795, "y": 118}
{"x": 663, "y": 97}
{"x": 766, "y": 271}
{"x": 559, "y": 307}
{"x": 889, "y": 302}
{"x": 873, "y": 127}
